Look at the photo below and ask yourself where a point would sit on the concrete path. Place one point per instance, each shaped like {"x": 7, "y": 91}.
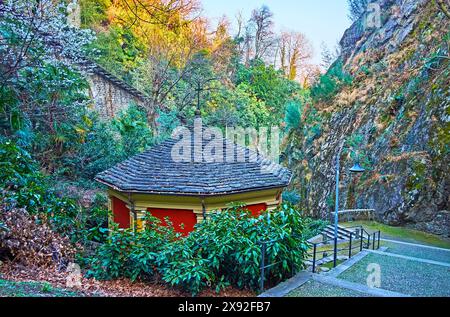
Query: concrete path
{"x": 409, "y": 258}
{"x": 349, "y": 263}
{"x": 346, "y": 265}
{"x": 288, "y": 286}
{"x": 416, "y": 245}
{"x": 332, "y": 277}
{"x": 356, "y": 287}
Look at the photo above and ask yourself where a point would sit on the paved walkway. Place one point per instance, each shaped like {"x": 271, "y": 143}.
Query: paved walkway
{"x": 288, "y": 286}
{"x": 349, "y": 263}
{"x": 409, "y": 258}
{"x": 416, "y": 245}
{"x": 332, "y": 277}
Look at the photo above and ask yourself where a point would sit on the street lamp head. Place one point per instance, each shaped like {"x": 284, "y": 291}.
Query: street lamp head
{"x": 357, "y": 168}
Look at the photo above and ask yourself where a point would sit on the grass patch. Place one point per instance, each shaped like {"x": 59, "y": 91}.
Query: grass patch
{"x": 329, "y": 265}
{"x": 342, "y": 249}
{"x": 401, "y": 233}
{"x": 33, "y": 289}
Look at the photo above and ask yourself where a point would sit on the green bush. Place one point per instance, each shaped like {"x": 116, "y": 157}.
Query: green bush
{"x": 134, "y": 130}
{"x": 293, "y": 116}
{"x": 23, "y": 185}
{"x": 331, "y": 83}
{"x": 131, "y": 254}
{"x": 102, "y": 144}
{"x": 225, "y": 250}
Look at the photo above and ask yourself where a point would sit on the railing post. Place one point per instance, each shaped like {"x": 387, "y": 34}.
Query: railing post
{"x": 361, "y": 242}
{"x": 335, "y": 251}
{"x": 350, "y": 246}
{"x": 368, "y": 241}
{"x": 374, "y": 240}
{"x": 379, "y": 238}
{"x": 263, "y": 260}
{"x": 314, "y": 258}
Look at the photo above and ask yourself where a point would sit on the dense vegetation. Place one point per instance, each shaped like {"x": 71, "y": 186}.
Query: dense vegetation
{"x": 222, "y": 251}
{"x": 213, "y": 255}
{"x": 53, "y": 142}
{"x": 52, "y": 139}
{"x": 163, "y": 49}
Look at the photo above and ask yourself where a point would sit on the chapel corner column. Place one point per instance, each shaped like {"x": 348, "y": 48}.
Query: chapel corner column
{"x": 137, "y": 217}
{"x": 110, "y": 211}
{"x": 272, "y": 205}
{"x": 199, "y": 215}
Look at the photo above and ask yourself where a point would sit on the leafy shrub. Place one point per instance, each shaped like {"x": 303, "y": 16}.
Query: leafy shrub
{"x": 24, "y": 186}
{"x": 109, "y": 261}
{"x": 225, "y": 250}
{"x": 313, "y": 227}
{"x": 167, "y": 122}
{"x": 3, "y": 227}
{"x": 30, "y": 241}
{"x": 293, "y": 116}
{"x": 356, "y": 8}
{"x": 355, "y": 147}
{"x": 103, "y": 145}
{"x": 131, "y": 254}
{"x": 330, "y": 83}
{"x": 222, "y": 251}
{"x": 269, "y": 86}
{"x": 237, "y": 107}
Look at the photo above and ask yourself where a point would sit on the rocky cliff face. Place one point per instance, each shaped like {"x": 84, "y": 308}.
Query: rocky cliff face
{"x": 398, "y": 105}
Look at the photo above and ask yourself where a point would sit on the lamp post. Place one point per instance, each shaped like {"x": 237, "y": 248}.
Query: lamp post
{"x": 355, "y": 169}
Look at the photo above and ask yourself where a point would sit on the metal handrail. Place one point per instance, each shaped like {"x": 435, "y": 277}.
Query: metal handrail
{"x": 366, "y": 240}
{"x": 263, "y": 266}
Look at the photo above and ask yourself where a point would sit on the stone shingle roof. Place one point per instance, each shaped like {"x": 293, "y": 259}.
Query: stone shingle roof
{"x": 155, "y": 172}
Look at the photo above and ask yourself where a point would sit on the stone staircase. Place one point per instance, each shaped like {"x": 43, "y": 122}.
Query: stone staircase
{"x": 343, "y": 234}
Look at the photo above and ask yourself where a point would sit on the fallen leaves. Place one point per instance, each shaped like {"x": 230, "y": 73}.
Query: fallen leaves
{"x": 31, "y": 242}
{"x": 115, "y": 288}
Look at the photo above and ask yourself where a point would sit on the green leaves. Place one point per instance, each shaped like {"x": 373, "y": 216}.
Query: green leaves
{"x": 270, "y": 88}
{"x": 331, "y": 83}
{"x": 225, "y": 250}
{"x": 134, "y": 130}
{"x": 135, "y": 255}
{"x": 101, "y": 144}
{"x": 222, "y": 251}
{"x": 3, "y": 227}
{"x": 22, "y": 185}
{"x": 293, "y": 116}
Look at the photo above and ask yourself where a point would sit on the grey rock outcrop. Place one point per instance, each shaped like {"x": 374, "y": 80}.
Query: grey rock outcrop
{"x": 398, "y": 104}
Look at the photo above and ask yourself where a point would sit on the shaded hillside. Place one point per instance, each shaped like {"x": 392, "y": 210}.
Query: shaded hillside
{"x": 395, "y": 110}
